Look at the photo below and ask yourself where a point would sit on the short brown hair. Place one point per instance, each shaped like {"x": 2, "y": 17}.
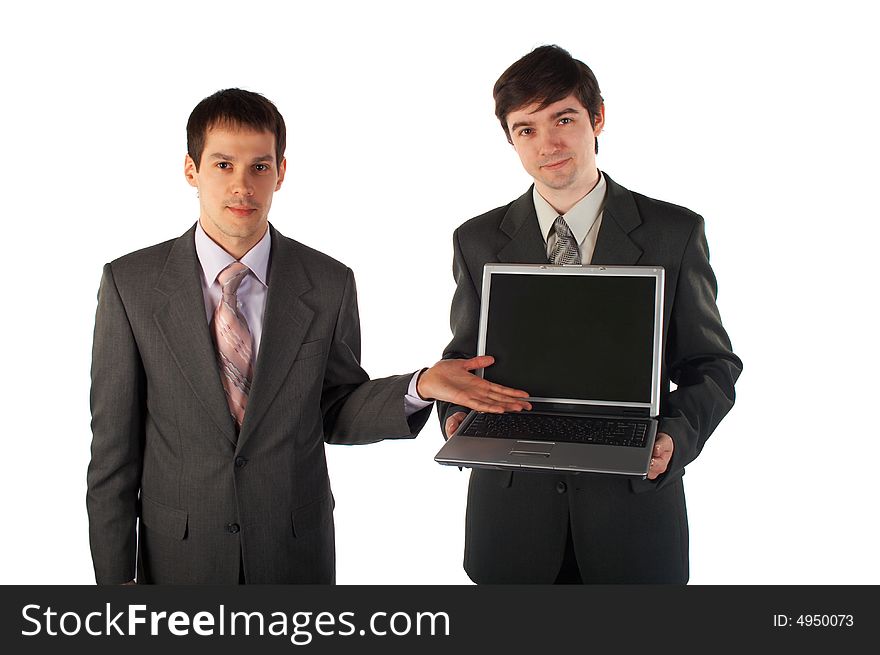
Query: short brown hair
{"x": 234, "y": 108}
{"x": 546, "y": 75}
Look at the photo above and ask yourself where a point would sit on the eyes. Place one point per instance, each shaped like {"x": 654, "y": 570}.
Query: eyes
{"x": 529, "y": 131}
{"x": 259, "y": 168}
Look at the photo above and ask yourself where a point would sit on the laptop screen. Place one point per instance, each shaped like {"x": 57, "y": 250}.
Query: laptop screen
{"x": 580, "y": 337}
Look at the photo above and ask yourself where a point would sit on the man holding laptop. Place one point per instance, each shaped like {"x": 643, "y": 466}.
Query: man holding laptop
{"x": 545, "y": 527}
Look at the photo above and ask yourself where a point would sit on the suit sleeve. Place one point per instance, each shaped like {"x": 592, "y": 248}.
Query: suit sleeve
{"x": 118, "y": 401}
{"x": 464, "y": 320}
{"x": 699, "y": 358}
{"x": 356, "y": 409}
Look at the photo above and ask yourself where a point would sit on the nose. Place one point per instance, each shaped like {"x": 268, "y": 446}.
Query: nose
{"x": 550, "y": 142}
{"x": 241, "y": 184}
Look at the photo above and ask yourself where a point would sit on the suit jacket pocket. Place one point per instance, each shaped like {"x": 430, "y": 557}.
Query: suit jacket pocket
{"x": 312, "y": 515}
{"x": 310, "y": 349}
{"x": 161, "y": 518}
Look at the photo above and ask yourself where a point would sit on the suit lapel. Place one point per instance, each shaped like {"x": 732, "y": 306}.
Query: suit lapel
{"x": 183, "y": 325}
{"x": 620, "y": 217}
{"x": 613, "y": 245}
{"x": 520, "y": 223}
{"x": 285, "y": 324}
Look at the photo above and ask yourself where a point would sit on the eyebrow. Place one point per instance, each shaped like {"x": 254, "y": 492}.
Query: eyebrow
{"x": 556, "y": 115}
{"x": 256, "y": 160}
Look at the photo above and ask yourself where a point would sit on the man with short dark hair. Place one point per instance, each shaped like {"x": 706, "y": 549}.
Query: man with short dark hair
{"x": 222, "y": 360}
{"x": 537, "y": 527}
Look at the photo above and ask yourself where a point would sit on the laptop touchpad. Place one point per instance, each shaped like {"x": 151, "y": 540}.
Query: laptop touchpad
{"x": 531, "y": 448}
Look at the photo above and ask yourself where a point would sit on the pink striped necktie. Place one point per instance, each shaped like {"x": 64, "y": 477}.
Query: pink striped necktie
{"x": 234, "y": 343}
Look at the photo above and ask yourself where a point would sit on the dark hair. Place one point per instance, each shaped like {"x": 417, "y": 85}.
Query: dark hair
{"x": 234, "y": 108}
{"x": 546, "y": 75}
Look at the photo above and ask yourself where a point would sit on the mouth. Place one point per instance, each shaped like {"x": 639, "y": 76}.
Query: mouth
{"x": 241, "y": 212}
{"x": 555, "y": 166}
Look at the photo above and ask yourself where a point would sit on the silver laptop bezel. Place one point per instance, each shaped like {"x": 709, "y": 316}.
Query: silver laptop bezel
{"x": 656, "y": 272}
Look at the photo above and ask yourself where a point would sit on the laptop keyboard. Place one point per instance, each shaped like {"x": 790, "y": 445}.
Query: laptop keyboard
{"x": 552, "y": 427}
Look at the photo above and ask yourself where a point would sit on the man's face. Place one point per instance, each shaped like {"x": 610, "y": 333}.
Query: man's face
{"x": 236, "y": 179}
{"x": 556, "y": 144}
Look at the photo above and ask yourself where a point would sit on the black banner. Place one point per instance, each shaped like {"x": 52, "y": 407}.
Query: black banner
{"x": 515, "y": 619}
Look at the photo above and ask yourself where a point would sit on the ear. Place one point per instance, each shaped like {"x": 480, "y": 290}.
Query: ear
{"x": 599, "y": 120}
{"x": 282, "y": 169}
{"x": 190, "y": 172}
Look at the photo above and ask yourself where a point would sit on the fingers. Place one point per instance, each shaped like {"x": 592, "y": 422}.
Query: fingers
{"x": 657, "y": 467}
{"x": 456, "y": 384}
{"x": 485, "y": 397}
{"x": 492, "y": 403}
{"x": 663, "y": 446}
{"x": 510, "y": 405}
{"x": 660, "y": 456}
{"x": 507, "y": 391}
{"x": 484, "y": 406}
{"x": 480, "y": 361}
{"x": 515, "y": 403}
{"x": 499, "y": 392}
{"x": 453, "y": 422}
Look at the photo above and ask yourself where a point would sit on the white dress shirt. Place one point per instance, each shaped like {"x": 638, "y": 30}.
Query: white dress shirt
{"x": 252, "y": 294}
{"x": 583, "y": 219}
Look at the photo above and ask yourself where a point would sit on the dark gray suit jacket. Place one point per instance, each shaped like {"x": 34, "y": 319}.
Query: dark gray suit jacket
{"x": 517, "y": 523}
{"x": 164, "y": 446}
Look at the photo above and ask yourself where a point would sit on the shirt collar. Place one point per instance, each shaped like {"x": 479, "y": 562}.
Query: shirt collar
{"x": 580, "y": 218}
{"x": 214, "y": 259}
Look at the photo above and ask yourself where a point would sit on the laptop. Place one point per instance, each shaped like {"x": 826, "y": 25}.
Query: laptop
{"x": 585, "y": 342}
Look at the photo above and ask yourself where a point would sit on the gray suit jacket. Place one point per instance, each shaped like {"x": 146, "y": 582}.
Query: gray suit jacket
{"x": 164, "y": 447}
{"x": 517, "y": 523}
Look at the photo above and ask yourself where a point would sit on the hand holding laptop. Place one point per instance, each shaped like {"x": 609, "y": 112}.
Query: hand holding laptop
{"x": 451, "y": 380}
{"x": 453, "y": 422}
{"x": 662, "y": 453}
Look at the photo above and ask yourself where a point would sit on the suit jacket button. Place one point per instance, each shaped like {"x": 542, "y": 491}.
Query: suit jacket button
{"x": 240, "y": 462}
{"x": 232, "y": 528}
{"x": 560, "y": 487}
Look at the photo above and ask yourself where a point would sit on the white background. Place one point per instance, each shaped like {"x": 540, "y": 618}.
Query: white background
{"x": 761, "y": 116}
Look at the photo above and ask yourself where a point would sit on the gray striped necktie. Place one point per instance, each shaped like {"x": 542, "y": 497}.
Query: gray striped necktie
{"x": 234, "y": 342}
{"x": 565, "y": 250}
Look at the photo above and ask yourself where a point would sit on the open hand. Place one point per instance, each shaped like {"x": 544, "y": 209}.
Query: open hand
{"x": 451, "y": 380}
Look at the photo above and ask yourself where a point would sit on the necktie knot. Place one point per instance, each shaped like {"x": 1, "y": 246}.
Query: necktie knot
{"x": 561, "y": 228}
{"x": 231, "y": 277}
